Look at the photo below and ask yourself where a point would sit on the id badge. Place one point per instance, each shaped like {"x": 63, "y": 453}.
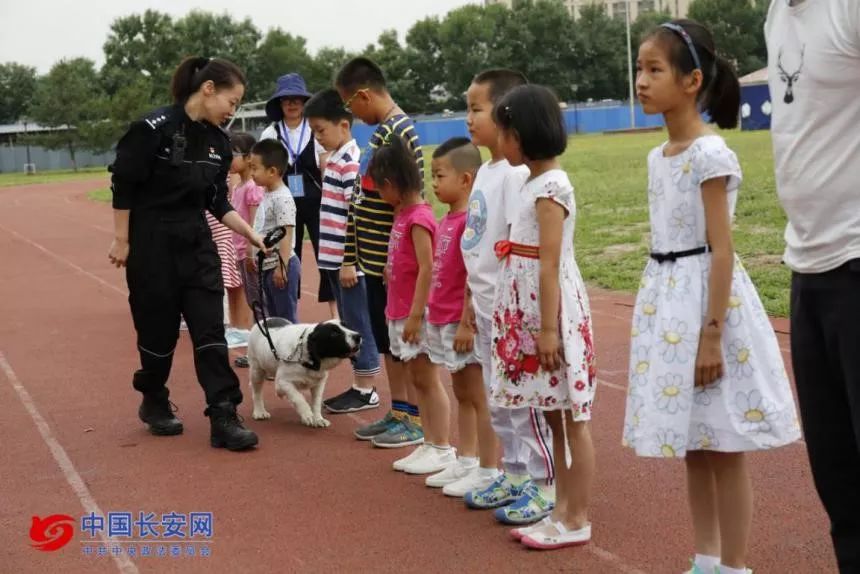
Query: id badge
{"x": 296, "y": 183}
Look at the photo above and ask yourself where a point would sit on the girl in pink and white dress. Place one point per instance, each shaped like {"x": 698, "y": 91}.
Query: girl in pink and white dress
{"x": 542, "y": 344}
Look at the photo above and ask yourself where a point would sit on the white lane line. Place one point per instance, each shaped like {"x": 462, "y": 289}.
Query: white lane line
{"x": 73, "y": 478}
{"x": 63, "y": 260}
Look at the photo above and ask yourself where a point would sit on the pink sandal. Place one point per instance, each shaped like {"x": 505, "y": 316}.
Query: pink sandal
{"x": 562, "y": 539}
{"x": 518, "y": 533}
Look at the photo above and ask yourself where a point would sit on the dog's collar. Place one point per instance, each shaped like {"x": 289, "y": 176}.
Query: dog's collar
{"x": 313, "y": 363}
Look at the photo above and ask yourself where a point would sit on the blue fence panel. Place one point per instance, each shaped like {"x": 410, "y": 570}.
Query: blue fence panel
{"x": 755, "y": 107}
{"x": 577, "y": 120}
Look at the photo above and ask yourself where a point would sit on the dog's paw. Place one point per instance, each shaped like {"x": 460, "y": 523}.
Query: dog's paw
{"x": 320, "y": 422}
{"x": 308, "y": 420}
{"x": 261, "y": 415}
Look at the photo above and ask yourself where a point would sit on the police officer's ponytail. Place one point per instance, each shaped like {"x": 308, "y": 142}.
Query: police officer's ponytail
{"x": 194, "y": 71}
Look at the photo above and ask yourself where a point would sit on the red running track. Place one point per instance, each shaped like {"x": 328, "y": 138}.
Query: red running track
{"x": 307, "y": 500}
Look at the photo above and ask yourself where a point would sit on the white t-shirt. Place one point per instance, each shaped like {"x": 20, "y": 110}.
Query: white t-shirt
{"x": 814, "y": 76}
{"x": 277, "y": 209}
{"x": 293, "y": 135}
{"x": 493, "y": 207}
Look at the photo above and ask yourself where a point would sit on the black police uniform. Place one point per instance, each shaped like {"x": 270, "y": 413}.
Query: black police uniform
{"x": 168, "y": 169}
{"x": 307, "y": 207}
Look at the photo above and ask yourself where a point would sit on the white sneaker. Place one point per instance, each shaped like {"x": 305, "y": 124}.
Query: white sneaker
{"x": 400, "y": 463}
{"x": 451, "y": 474}
{"x": 475, "y": 480}
{"x": 434, "y": 459}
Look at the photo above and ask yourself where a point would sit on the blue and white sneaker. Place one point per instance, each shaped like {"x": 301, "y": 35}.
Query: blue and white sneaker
{"x": 500, "y": 492}
{"x": 530, "y": 507}
{"x": 236, "y": 337}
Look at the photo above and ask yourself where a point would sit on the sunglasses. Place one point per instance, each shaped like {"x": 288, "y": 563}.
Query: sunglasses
{"x": 347, "y": 104}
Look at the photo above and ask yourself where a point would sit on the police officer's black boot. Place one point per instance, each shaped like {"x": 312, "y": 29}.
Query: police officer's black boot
{"x": 157, "y": 412}
{"x": 227, "y": 430}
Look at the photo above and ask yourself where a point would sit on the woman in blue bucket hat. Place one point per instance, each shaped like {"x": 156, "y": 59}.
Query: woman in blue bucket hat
{"x": 285, "y": 109}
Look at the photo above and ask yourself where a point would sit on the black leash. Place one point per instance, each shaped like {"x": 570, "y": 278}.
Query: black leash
{"x": 271, "y": 240}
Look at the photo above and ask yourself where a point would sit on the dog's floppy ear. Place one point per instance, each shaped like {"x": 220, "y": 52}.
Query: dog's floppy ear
{"x": 313, "y": 343}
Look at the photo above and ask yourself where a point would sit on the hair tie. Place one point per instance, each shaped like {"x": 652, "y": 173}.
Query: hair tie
{"x": 386, "y": 139}
{"x": 687, "y": 40}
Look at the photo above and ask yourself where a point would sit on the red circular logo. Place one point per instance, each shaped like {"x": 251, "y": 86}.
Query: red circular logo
{"x": 52, "y": 532}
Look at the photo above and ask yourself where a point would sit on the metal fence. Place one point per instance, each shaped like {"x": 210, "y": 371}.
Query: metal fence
{"x": 14, "y": 158}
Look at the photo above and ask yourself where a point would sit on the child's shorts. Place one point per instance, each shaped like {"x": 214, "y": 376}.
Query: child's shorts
{"x": 406, "y": 351}
{"x": 440, "y": 340}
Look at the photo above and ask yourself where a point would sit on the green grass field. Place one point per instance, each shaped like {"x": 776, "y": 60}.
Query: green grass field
{"x": 610, "y": 177}
{"x": 60, "y": 175}
{"x": 609, "y": 173}
{"x": 103, "y": 195}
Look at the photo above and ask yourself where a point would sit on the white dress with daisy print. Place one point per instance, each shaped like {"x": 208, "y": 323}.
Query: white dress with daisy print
{"x": 751, "y": 407}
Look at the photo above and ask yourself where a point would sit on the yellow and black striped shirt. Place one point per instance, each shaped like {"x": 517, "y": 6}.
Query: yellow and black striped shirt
{"x": 370, "y": 219}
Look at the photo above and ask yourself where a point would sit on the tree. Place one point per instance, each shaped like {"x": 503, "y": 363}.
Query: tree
{"x": 542, "y": 43}
{"x": 138, "y": 47}
{"x": 471, "y": 40}
{"x": 423, "y": 57}
{"x": 17, "y": 86}
{"x": 69, "y": 97}
{"x": 324, "y": 66}
{"x": 737, "y": 28}
{"x": 210, "y": 35}
{"x": 400, "y": 78}
{"x": 279, "y": 53}
{"x": 602, "y": 55}
{"x": 151, "y": 45}
{"x": 116, "y": 111}
{"x": 645, "y": 24}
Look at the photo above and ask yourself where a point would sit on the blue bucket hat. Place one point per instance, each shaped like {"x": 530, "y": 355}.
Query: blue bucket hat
{"x": 288, "y": 86}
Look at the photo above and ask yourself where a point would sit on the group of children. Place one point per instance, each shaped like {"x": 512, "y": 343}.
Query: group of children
{"x": 492, "y": 293}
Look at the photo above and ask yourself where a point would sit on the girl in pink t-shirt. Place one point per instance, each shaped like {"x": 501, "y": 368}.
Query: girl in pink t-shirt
{"x": 245, "y": 197}
{"x": 409, "y": 270}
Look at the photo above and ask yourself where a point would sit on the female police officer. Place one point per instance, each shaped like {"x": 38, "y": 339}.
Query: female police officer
{"x": 169, "y": 167}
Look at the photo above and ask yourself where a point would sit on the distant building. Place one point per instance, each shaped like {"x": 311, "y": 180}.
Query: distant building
{"x": 618, "y": 8}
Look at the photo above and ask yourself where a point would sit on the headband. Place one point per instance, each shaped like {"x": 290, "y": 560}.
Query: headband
{"x": 687, "y": 40}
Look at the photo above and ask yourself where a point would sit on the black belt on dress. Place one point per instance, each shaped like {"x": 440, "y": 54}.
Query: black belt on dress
{"x": 675, "y": 255}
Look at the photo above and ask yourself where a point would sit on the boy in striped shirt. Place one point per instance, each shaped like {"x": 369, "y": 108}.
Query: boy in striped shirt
{"x": 362, "y": 88}
{"x": 331, "y": 126}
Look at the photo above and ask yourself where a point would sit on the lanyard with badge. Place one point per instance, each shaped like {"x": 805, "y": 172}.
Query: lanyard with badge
{"x": 295, "y": 181}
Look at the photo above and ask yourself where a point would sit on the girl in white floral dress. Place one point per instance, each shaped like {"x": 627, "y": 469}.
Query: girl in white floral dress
{"x": 542, "y": 351}
{"x": 707, "y": 381}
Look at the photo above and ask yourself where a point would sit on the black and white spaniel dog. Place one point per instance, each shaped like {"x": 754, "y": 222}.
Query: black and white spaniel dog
{"x": 306, "y": 353}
